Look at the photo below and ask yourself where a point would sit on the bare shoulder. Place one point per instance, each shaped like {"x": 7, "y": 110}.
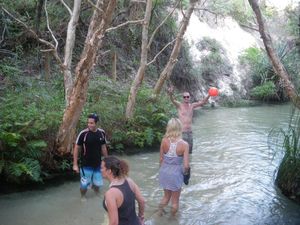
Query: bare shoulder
{"x": 164, "y": 141}
{"x": 184, "y": 143}
{"x": 112, "y": 192}
{"x": 131, "y": 183}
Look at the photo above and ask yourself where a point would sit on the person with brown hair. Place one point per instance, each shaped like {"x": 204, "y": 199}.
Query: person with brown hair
{"x": 119, "y": 200}
{"x": 174, "y": 163}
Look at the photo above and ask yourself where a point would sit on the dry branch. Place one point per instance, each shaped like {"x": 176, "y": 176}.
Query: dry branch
{"x": 155, "y": 57}
{"x": 124, "y": 24}
{"x": 162, "y": 23}
{"x": 67, "y": 7}
{"x": 47, "y": 43}
{"x": 48, "y": 26}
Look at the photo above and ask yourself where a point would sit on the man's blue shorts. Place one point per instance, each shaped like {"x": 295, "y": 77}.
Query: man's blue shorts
{"x": 90, "y": 176}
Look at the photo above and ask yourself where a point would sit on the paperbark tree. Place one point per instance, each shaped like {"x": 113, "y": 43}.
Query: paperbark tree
{"x": 144, "y": 53}
{"x": 100, "y": 21}
{"x": 166, "y": 73}
{"x": 298, "y": 39}
{"x": 143, "y": 63}
{"x": 273, "y": 57}
{"x": 70, "y": 42}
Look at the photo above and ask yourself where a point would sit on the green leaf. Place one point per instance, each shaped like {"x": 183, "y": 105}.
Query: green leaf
{"x": 2, "y": 163}
{"x": 36, "y": 144}
{"x": 10, "y": 139}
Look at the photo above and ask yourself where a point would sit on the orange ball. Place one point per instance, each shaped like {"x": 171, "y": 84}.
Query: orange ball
{"x": 213, "y": 91}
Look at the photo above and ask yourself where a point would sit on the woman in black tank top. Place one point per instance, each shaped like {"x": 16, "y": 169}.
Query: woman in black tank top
{"x": 119, "y": 200}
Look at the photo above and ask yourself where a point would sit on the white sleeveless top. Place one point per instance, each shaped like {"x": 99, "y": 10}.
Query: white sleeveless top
{"x": 172, "y": 149}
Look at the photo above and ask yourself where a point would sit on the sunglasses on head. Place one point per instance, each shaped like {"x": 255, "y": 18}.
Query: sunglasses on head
{"x": 186, "y": 96}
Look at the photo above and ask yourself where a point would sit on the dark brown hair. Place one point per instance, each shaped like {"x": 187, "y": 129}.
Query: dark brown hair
{"x": 118, "y": 167}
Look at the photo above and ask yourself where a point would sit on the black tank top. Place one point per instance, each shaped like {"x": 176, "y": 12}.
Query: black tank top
{"x": 126, "y": 212}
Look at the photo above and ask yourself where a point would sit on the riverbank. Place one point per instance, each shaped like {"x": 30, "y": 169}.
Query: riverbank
{"x": 54, "y": 180}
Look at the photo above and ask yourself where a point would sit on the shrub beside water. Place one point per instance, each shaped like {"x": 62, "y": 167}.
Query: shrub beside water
{"x": 288, "y": 174}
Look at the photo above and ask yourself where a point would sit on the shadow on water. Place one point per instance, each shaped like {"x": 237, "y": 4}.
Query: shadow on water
{"x": 53, "y": 181}
{"x": 232, "y": 180}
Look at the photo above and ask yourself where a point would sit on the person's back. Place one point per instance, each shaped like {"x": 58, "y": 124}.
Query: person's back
{"x": 126, "y": 211}
{"x": 119, "y": 199}
{"x": 174, "y": 161}
{"x": 171, "y": 170}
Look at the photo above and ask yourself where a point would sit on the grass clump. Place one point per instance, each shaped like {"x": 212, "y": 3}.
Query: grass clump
{"x": 288, "y": 142}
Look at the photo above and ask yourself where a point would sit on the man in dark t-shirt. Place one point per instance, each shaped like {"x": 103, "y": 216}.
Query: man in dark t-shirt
{"x": 91, "y": 142}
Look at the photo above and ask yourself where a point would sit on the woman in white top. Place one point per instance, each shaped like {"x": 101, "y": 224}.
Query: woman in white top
{"x": 174, "y": 162}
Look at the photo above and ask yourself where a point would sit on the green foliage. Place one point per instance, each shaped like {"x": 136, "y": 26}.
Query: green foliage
{"x": 265, "y": 91}
{"x": 259, "y": 65}
{"x": 145, "y": 129}
{"x": 237, "y": 102}
{"x": 29, "y": 116}
{"x": 27, "y": 168}
{"x": 215, "y": 61}
{"x": 185, "y": 4}
{"x": 287, "y": 141}
{"x": 262, "y": 72}
{"x": 237, "y": 9}
{"x": 293, "y": 20}
{"x": 9, "y": 70}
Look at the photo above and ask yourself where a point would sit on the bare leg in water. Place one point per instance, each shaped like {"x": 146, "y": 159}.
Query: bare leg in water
{"x": 175, "y": 202}
{"x": 164, "y": 202}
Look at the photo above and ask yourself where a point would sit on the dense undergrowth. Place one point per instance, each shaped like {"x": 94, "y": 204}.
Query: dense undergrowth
{"x": 31, "y": 114}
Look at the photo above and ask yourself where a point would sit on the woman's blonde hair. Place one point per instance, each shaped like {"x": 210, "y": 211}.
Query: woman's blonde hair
{"x": 174, "y": 128}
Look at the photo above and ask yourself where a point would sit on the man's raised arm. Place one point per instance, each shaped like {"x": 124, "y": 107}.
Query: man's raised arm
{"x": 170, "y": 92}
{"x": 201, "y": 102}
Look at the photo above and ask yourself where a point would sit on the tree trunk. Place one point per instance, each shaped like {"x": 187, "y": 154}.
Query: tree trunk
{"x": 70, "y": 42}
{"x": 114, "y": 67}
{"x": 298, "y": 40}
{"x": 273, "y": 57}
{"x": 38, "y": 17}
{"x": 166, "y": 73}
{"x": 47, "y": 60}
{"x": 98, "y": 25}
{"x": 143, "y": 64}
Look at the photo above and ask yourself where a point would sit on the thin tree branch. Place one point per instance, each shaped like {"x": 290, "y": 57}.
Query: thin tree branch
{"x": 46, "y": 50}
{"x": 5, "y": 51}
{"x": 29, "y": 29}
{"x": 138, "y": 1}
{"x": 181, "y": 9}
{"x": 203, "y": 3}
{"x": 105, "y": 52}
{"x": 47, "y": 43}
{"x": 48, "y": 26}
{"x": 155, "y": 31}
{"x": 67, "y": 7}
{"x": 124, "y": 24}
{"x": 251, "y": 28}
{"x": 210, "y": 11}
{"x": 3, "y": 33}
{"x": 155, "y": 57}
{"x": 94, "y": 6}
